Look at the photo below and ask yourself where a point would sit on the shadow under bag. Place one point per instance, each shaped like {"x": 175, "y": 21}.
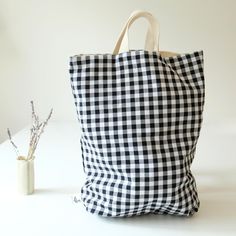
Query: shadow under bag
{"x": 140, "y": 112}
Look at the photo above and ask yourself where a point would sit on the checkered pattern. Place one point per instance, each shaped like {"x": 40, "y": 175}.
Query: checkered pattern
{"x": 140, "y": 116}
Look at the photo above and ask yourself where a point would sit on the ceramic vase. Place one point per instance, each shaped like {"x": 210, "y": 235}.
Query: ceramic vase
{"x": 25, "y": 175}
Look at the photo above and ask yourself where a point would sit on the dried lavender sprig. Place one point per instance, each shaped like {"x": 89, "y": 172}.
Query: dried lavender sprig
{"x": 35, "y": 127}
{"x": 13, "y": 144}
{"x": 49, "y": 116}
{"x": 42, "y": 129}
{"x": 32, "y": 118}
{"x": 35, "y": 133}
{"x": 32, "y": 108}
{"x": 39, "y": 129}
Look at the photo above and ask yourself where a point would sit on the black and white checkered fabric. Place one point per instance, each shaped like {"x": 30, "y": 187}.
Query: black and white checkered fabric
{"x": 140, "y": 116}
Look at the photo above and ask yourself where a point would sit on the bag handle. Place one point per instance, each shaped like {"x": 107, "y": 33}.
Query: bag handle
{"x": 152, "y": 38}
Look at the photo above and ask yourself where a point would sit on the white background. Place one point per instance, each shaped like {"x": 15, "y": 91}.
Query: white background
{"x": 37, "y": 38}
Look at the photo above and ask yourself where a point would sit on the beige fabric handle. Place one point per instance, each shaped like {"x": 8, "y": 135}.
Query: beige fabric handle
{"x": 152, "y": 39}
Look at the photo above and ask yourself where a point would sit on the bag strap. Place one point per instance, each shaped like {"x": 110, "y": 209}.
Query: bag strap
{"x": 152, "y": 38}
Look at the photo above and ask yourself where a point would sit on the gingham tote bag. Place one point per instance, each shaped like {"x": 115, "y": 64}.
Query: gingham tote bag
{"x": 140, "y": 113}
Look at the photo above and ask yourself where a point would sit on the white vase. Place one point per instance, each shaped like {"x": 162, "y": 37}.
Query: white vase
{"x": 25, "y": 176}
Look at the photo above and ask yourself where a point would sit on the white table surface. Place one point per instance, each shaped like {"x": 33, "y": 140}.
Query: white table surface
{"x": 59, "y": 176}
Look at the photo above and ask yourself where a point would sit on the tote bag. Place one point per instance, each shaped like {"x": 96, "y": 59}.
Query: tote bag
{"x": 140, "y": 113}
